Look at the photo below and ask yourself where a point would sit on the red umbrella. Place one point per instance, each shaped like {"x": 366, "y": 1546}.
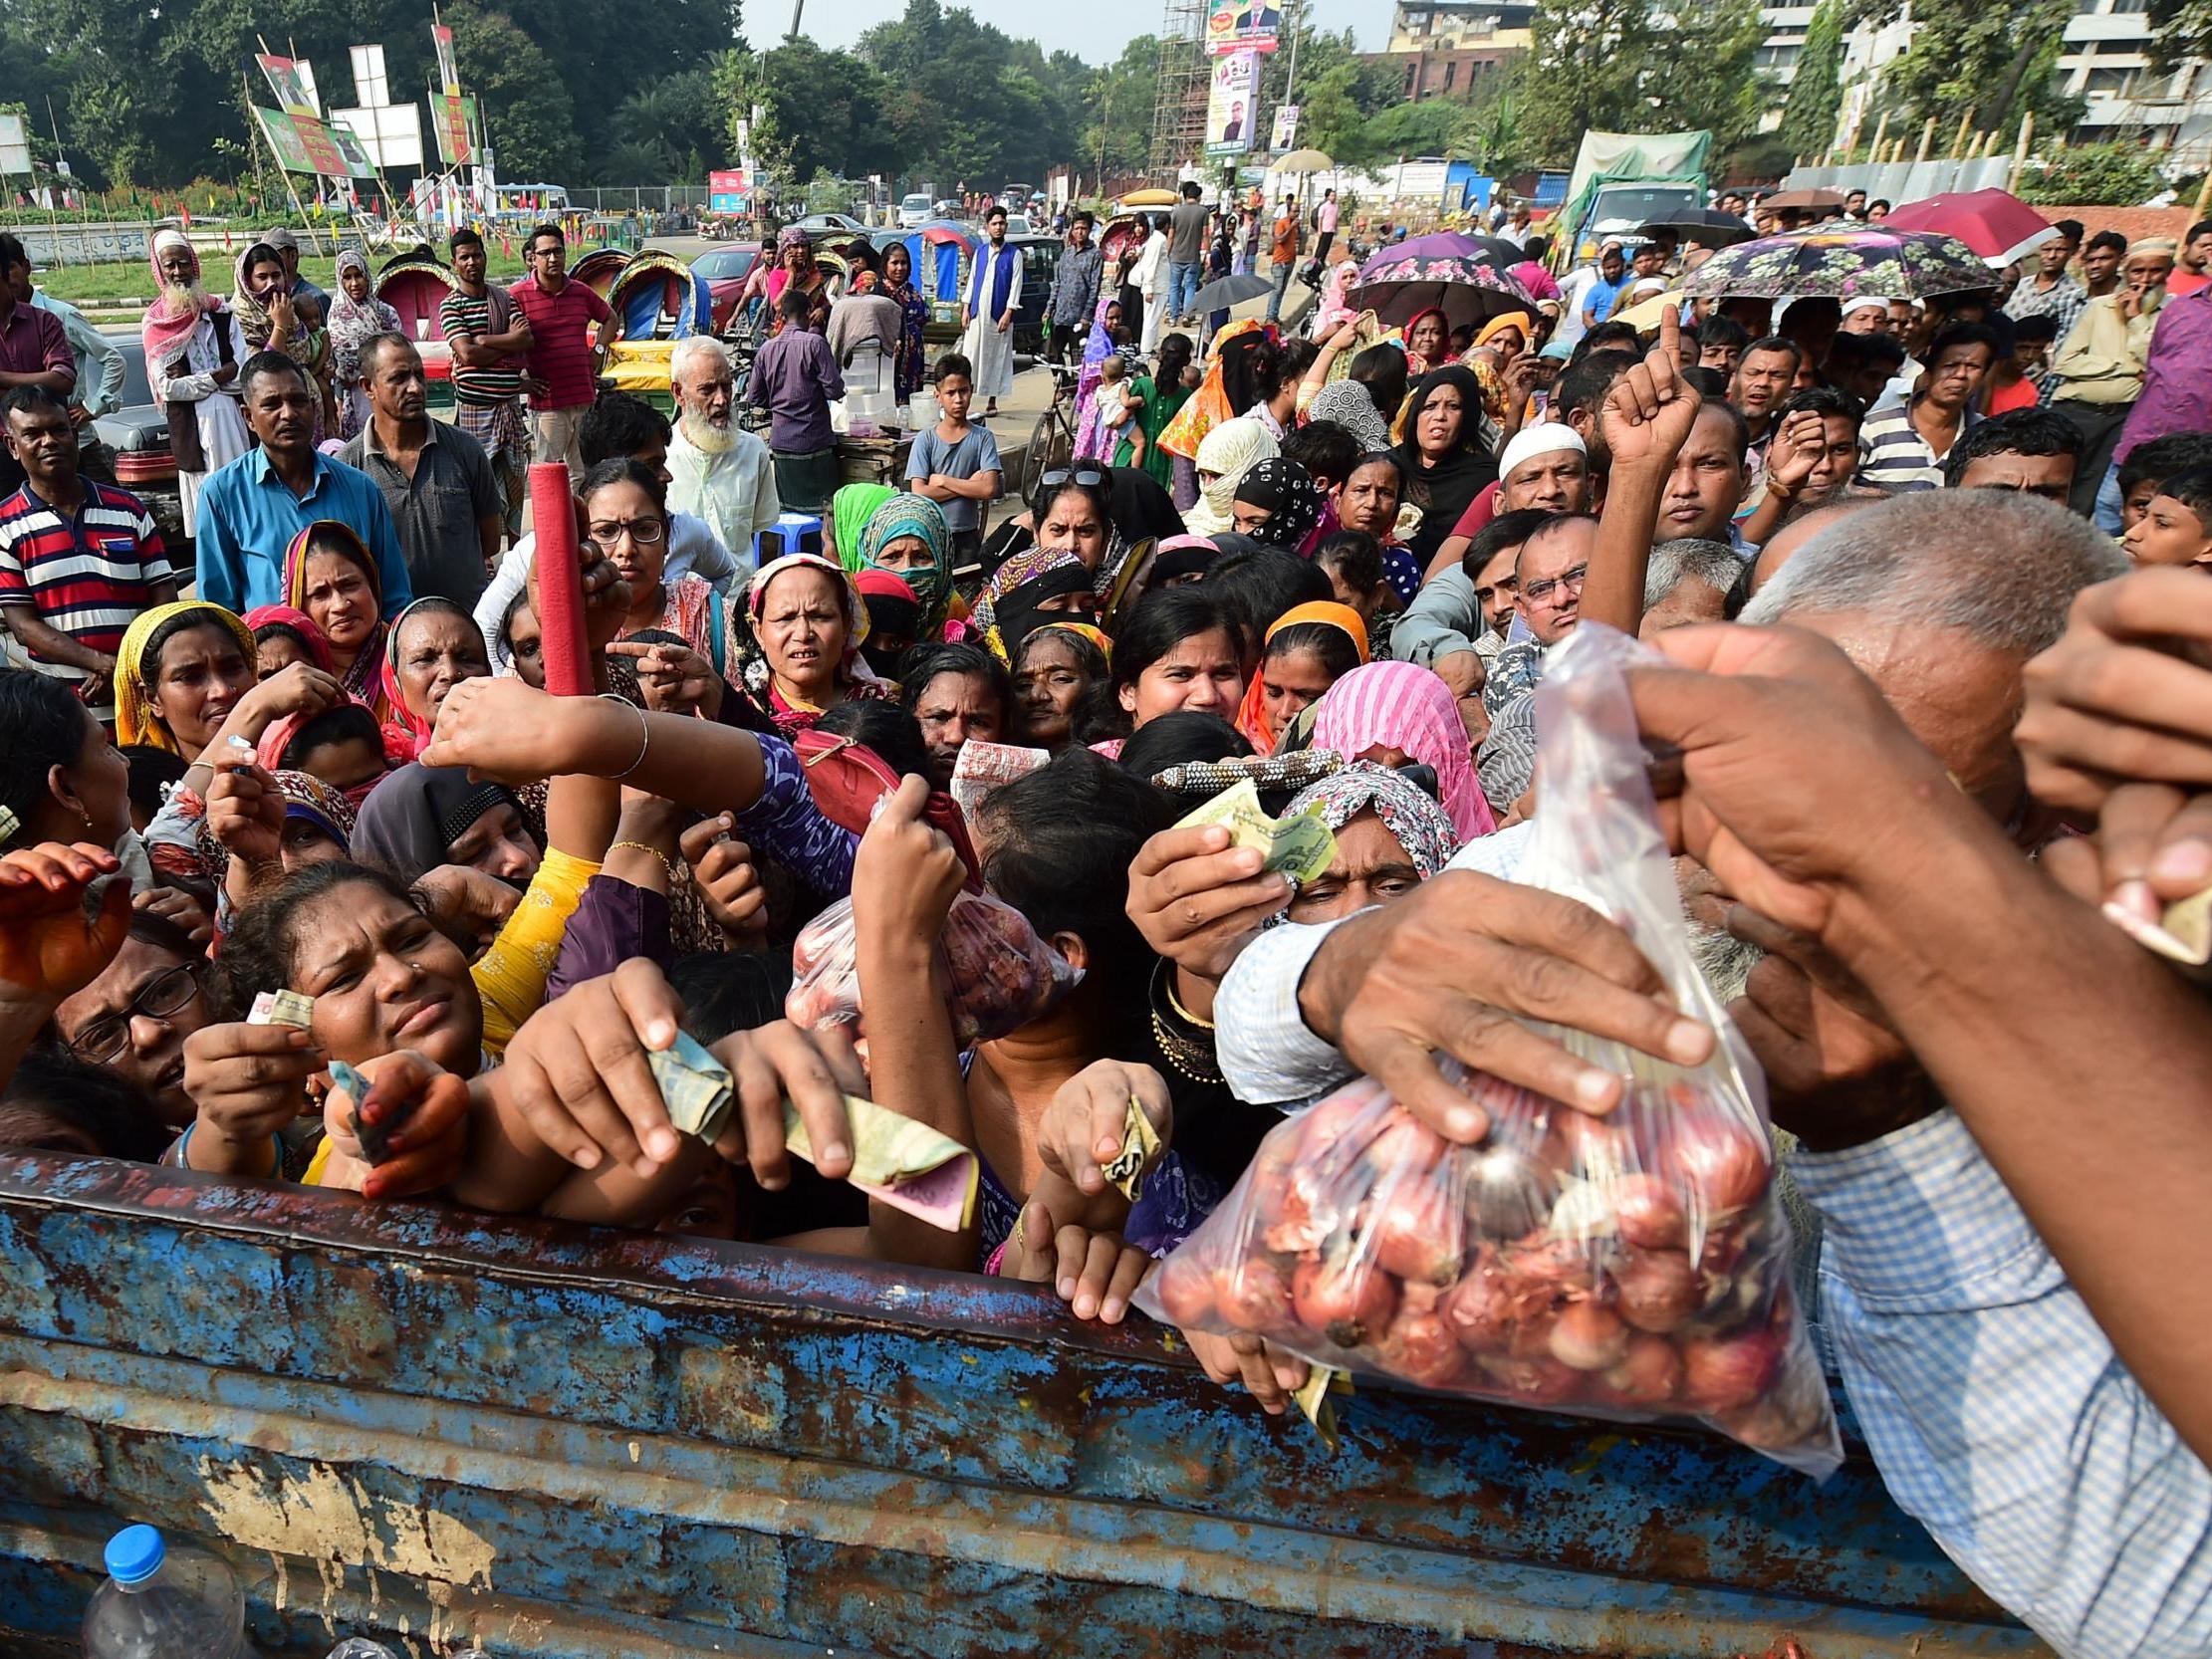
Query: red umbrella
{"x": 1996, "y": 224}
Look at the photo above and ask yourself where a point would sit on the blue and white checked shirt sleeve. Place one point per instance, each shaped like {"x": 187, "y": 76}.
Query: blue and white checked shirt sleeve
{"x": 1268, "y": 1056}
{"x": 1995, "y": 1407}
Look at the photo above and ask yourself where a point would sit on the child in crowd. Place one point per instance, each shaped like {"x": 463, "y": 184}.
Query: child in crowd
{"x": 2176, "y": 523}
{"x": 955, "y": 463}
{"x": 2150, "y": 465}
{"x": 1112, "y": 393}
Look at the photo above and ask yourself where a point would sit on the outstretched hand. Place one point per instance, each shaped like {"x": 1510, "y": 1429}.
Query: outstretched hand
{"x": 50, "y": 947}
{"x": 1646, "y": 417}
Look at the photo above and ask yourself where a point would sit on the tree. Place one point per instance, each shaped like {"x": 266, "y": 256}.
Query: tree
{"x": 529, "y": 115}
{"x": 1708, "y": 73}
{"x": 1584, "y": 71}
{"x": 2094, "y": 176}
{"x": 1118, "y": 99}
{"x": 1996, "y": 61}
{"x": 1817, "y": 90}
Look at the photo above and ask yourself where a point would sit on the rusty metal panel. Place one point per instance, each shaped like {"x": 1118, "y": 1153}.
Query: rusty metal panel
{"x": 407, "y": 1420}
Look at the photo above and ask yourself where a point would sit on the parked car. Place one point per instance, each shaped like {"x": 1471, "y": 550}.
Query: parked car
{"x": 830, "y": 221}
{"x": 725, "y": 271}
{"x": 1017, "y": 224}
{"x": 914, "y": 210}
{"x": 1040, "y": 260}
{"x": 137, "y": 432}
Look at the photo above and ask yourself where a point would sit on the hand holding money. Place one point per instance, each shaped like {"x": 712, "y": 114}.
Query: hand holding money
{"x": 1106, "y": 1126}
{"x": 403, "y": 1116}
{"x": 1301, "y": 847}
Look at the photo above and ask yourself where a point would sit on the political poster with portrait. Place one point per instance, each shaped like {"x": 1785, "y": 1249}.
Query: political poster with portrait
{"x": 1242, "y": 26}
{"x": 296, "y": 97}
{"x": 1230, "y": 111}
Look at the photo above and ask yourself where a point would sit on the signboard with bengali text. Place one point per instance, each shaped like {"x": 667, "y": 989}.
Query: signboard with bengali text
{"x": 1242, "y": 25}
{"x": 1230, "y": 107}
{"x": 296, "y": 97}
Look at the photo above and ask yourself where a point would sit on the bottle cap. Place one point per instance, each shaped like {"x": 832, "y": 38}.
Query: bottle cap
{"x": 135, "y": 1554}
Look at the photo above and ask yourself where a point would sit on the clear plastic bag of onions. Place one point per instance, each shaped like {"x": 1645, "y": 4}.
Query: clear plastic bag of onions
{"x": 1635, "y": 1267}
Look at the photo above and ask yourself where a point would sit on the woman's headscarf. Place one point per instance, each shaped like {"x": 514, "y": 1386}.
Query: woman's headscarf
{"x": 363, "y": 681}
{"x": 913, "y": 515}
{"x": 1444, "y": 491}
{"x": 135, "y": 721}
{"x": 1418, "y": 363}
{"x": 1519, "y": 321}
{"x": 1350, "y": 405}
{"x": 893, "y": 613}
{"x": 1181, "y": 555}
{"x": 411, "y": 819}
{"x": 1008, "y": 608}
{"x": 1252, "y": 714}
{"x": 1095, "y": 635}
{"x": 749, "y": 657}
{"x": 354, "y": 323}
{"x": 300, "y": 623}
{"x": 307, "y": 798}
{"x": 175, "y": 313}
{"x": 1401, "y": 705}
{"x": 850, "y": 510}
{"x": 1142, "y": 507}
{"x": 1231, "y": 451}
{"x": 793, "y": 236}
{"x": 406, "y": 732}
{"x": 254, "y": 320}
{"x": 1421, "y": 827}
{"x": 1288, "y": 491}
{"x": 1210, "y": 405}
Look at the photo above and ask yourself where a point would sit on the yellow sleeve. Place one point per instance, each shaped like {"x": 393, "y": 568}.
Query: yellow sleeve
{"x": 511, "y": 977}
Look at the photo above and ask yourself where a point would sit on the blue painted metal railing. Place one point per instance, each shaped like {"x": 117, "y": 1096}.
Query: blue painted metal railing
{"x": 407, "y": 1421}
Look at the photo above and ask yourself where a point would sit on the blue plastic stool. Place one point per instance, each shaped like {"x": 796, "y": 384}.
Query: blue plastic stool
{"x": 792, "y": 533}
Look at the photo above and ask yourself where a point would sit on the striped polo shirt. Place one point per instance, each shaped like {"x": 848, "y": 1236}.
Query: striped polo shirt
{"x": 1893, "y": 454}
{"x": 87, "y": 576}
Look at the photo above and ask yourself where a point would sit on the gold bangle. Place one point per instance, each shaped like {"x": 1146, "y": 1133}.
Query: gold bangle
{"x": 639, "y": 847}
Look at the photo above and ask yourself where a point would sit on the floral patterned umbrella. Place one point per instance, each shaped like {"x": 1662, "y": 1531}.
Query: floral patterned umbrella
{"x": 1840, "y": 261}
{"x": 1398, "y": 285}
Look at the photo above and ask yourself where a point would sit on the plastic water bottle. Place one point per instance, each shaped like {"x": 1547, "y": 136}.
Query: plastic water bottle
{"x": 163, "y": 1603}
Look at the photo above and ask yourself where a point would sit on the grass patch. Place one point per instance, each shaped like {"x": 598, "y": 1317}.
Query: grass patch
{"x": 133, "y": 283}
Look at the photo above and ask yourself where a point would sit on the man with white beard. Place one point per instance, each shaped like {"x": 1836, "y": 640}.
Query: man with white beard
{"x": 717, "y": 470}
{"x": 192, "y": 352}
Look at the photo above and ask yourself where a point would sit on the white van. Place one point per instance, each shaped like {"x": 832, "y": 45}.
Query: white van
{"x": 914, "y": 210}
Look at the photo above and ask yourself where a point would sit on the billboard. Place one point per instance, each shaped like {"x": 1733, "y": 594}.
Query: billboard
{"x": 449, "y": 72}
{"x": 15, "y": 146}
{"x": 454, "y": 117}
{"x": 729, "y": 190}
{"x": 1230, "y": 105}
{"x": 390, "y": 133}
{"x": 1286, "y": 127}
{"x": 284, "y": 140}
{"x": 1242, "y": 26}
{"x": 294, "y": 88}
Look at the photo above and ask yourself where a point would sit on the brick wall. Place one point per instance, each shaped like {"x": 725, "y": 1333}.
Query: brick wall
{"x": 2134, "y": 223}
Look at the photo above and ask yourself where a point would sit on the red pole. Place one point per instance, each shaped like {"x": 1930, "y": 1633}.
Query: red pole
{"x": 560, "y": 582}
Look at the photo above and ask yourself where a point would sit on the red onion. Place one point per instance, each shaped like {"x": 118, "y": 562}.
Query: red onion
{"x": 1307, "y": 1215}
{"x": 1479, "y": 1308}
{"x": 1649, "y": 1374}
{"x": 1346, "y": 1300}
{"x": 1727, "y": 1373}
{"x": 1543, "y": 1381}
{"x": 1186, "y": 1290}
{"x": 1320, "y": 1127}
{"x": 1253, "y": 1295}
{"x": 1415, "y": 1231}
{"x": 1657, "y": 1289}
{"x": 1647, "y": 1214}
{"x": 1509, "y": 1187}
{"x": 1421, "y": 1349}
{"x": 1589, "y": 1338}
{"x": 1718, "y": 1165}
{"x": 1593, "y": 1145}
{"x": 1544, "y": 1274}
{"x": 1405, "y": 1145}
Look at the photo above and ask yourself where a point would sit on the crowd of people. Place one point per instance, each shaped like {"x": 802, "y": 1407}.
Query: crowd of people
{"x": 1925, "y": 680}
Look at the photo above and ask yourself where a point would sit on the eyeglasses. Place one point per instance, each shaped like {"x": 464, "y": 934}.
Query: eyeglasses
{"x": 643, "y": 533}
{"x": 165, "y": 994}
{"x": 1536, "y": 593}
{"x": 1089, "y": 477}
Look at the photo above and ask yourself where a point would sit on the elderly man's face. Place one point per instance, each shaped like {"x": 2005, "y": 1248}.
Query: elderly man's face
{"x": 2146, "y": 272}
{"x": 1552, "y": 565}
{"x": 1558, "y": 482}
{"x": 708, "y": 389}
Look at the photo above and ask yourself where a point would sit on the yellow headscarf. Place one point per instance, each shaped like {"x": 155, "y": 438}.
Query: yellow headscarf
{"x": 1498, "y": 325}
{"x": 135, "y": 721}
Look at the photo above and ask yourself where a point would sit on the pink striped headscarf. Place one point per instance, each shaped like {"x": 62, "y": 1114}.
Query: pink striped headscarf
{"x": 1403, "y": 706}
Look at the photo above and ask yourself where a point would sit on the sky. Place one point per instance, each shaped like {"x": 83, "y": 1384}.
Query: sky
{"x": 1095, "y": 33}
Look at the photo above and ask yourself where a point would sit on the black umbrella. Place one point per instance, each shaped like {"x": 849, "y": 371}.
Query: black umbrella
{"x": 1707, "y": 227}
{"x": 1225, "y": 292}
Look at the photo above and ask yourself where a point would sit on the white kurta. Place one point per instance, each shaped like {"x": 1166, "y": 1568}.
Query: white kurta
{"x": 189, "y": 384}
{"x": 985, "y": 344}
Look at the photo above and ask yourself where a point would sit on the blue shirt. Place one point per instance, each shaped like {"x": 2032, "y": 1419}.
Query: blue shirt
{"x": 1598, "y": 301}
{"x": 248, "y": 517}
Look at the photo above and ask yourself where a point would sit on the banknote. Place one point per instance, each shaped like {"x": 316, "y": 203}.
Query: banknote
{"x": 1300, "y": 847}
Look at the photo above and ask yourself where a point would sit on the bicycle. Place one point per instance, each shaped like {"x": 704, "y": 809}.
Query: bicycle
{"x": 1052, "y": 441}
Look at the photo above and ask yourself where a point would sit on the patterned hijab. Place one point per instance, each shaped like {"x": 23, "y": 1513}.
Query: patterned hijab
{"x": 1350, "y": 405}
{"x": 914, "y": 515}
{"x": 1403, "y": 706}
{"x": 1421, "y": 827}
{"x": 1288, "y": 490}
{"x": 1008, "y": 606}
{"x": 135, "y": 721}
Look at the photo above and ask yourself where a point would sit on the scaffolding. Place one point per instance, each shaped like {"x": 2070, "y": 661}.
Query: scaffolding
{"x": 1179, "y": 107}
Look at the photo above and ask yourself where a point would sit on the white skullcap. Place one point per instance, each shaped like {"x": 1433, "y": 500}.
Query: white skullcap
{"x": 1866, "y": 302}
{"x": 1540, "y": 439}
